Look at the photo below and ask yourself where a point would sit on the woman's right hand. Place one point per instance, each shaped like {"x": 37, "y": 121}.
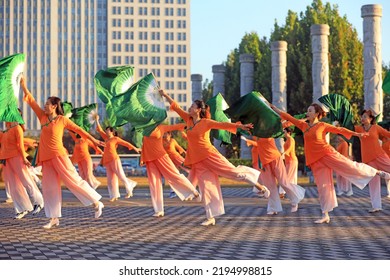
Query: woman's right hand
{"x": 162, "y": 93}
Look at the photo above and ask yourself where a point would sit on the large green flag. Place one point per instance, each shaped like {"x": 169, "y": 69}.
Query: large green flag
{"x": 113, "y": 81}
{"x": 386, "y": 83}
{"x": 217, "y": 106}
{"x": 253, "y": 108}
{"x": 11, "y": 70}
{"x": 84, "y": 116}
{"x": 142, "y": 106}
{"x": 339, "y": 109}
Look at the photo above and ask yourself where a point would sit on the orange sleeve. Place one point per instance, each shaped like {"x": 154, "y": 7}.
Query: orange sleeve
{"x": 125, "y": 144}
{"x": 231, "y": 127}
{"x": 251, "y": 143}
{"x": 72, "y": 134}
{"x": 93, "y": 146}
{"x": 102, "y": 133}
{"x": 302, "y": 125}
{"x": 19, "y": 140}
{"x": 183, "y": 114}
{"x": 178, "y": 147}
{"x": 164, "y": 127}
{"x": 383, "y": 132}
{"x": 34, "y": 105}
{"x": 340, "y": 130}
{"x": 288, "y": 146}
{"x": 70, "y": 125}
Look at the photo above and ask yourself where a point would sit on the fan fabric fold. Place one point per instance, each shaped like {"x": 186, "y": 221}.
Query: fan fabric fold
{"x": 217, "y": 105}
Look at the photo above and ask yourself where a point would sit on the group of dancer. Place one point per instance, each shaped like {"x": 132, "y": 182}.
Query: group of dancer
{"x": 202, "y": 162}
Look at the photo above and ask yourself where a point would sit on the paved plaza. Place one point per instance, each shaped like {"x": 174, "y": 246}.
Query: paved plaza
{"x": 127, "y": 230}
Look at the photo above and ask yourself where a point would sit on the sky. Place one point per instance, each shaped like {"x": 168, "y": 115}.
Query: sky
{"x": 217, "y": 26}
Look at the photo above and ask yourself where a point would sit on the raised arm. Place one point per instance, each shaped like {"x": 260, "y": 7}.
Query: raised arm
{"x": 128, "y": 145}
{"x": 174, "y": 106}
{"x": 99, "y": 129}
{"x": 29, "y": 99}
{"x": 75, "y": 128}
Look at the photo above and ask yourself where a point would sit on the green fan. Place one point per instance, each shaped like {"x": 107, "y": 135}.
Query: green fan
{"x": 217, "y": 105}
{"x": 84, "y": 116}
{"x": 67, "y": 108}
{"x": 11, "y": 70}
{"x": 113, "y": 81}
{"x": 339, "y": 109}
{"x": 141, "y": 105}
{"x": 386, "y": 83}
{"x": 254, "y": 108}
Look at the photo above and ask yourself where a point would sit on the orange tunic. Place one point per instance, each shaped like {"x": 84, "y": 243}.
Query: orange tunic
{"x": 289, "y": 149}
{"x": 152, "y": 147}
{"x": 110, "y": 153}
{"x": 386, "y": 146}
{"x": 315, "y": 144}
{"x": 12, "y": 143}
{"x": 173, "y": 148}
{"x": 254, "y": 152}
{"x": 198, "y": 135}
{"x": 267, "y": 150}
{"x": 342, "y": 147}
{"x": 370, "y": 147}
{"x": 50, "y": 141}
{"x": 29, "y": 143}
{"x": 81, "y": 149}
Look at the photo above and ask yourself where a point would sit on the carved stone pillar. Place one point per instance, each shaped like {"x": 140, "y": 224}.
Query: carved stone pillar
{"x": 279, "y": 80}
{"x": 320, "y": 67}
{"x": 246, "y": 86}
{"x": 196, "y": 80}
{"x": 372, "y": 46}
{"x": 219, "y": 87}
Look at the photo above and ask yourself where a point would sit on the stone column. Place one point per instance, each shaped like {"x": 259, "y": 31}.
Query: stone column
{"x": 219, "y": 87}
{"x": 320, "y": 67}
{"x": 196, "y": 80}
{"x": 279, "y": 80}
{"x": 246, "y": 86}
{"x": 372, "y": 46}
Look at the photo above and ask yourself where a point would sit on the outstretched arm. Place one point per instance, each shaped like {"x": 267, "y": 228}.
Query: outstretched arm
{"x": 30, "y": 99}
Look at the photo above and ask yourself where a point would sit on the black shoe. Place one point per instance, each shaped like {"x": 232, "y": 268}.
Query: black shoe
{"x": 37, "y": 209}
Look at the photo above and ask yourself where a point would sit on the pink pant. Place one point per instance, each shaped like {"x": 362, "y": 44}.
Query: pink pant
{"x": 164, "y": 167}
{"x": 115, "y": 171}
{"x": 342, "y": 185}
{"x": 22, "y": 186}
{"x": 86, "y": 172}
{"x": 274, "y": 173}
{"x": 381, "y": 163}
{"x": 358, "y": 173}
{"x": 61, "y": 168}
{"x": 206, "y": 173}
{"x": 292, "y": 171}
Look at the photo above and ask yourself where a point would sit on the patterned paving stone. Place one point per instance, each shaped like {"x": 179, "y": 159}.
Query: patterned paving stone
{"x": 127, "y": 230}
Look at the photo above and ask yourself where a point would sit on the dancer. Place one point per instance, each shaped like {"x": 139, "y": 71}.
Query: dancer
{"x": 22, "y": 187}
{"x": 290, "y": 157}
{"x": 158, "y": 164}
{"x": 343, "y": 186}
{"x": 175, "y": 152}
{"x": 82, "y": 158}
{"x": 113, "y": 163}
{"x": 206, "y": 162}
{"x": 373, "y": 154}
{"x": 53, "y": 157}
{"x": 322, "y": 158}
{"x": 275, "y": 172}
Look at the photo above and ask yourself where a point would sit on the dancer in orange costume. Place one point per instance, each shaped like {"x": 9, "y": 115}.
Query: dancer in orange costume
{"x": 206, "y": 162}
{"x": 113, "y": 163}
{"x": 82, "y": 158}
{"x": 158, "y": 164}
{"x": 322, "y": 158}
{"x": 290, "y": 157}
{"x": 53, "y": 157}
{"x": 373, "y": 154}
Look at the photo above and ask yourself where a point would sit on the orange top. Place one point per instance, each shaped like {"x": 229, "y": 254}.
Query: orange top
{"x": 173, "y": 148}
{"x": 254, "y": 152}
{"x": 152, "y": 147}
{"x": 386, "y": 146}
{"x": 342, "y": 146}
{"x": 81, "y": 149}
{"x": 289, "y": 149}
{"x": 198, "y": 135}
{"x": 29, "y": 143}
{"x": 112, "y": 143}
{"x": 315, "y": 144}
{"x": 267, "y": 150}
{"x": 369, "y": 146}
{"x": 50, "y": 141}
{"x": 12, "y": 142}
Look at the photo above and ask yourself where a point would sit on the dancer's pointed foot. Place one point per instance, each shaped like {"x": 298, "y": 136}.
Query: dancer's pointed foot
{"x": 324, "y": 219}
{"x": 209, "y": 222}
{"x": 294, "y": 208}
{"x": 54, "y": 222}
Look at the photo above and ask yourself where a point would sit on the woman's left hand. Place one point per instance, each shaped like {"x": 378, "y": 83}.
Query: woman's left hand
{"x": 363, "y": 134}
{"x": 27, "y": 163}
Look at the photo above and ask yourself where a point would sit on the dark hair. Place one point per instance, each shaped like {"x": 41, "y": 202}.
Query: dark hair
{"x": 370, "y": 114}
{"x": 110, "y": 128}
{"x": 318, "y": 109}
{"x": 204, "y": 109}
{"x": 54, "y": 100}
{"x": 288, "y": 130}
